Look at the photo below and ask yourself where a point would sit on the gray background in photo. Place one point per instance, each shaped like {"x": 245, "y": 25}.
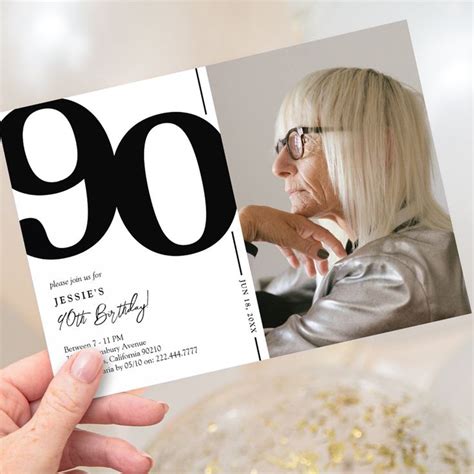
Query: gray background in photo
{"x": 247, "y": 94}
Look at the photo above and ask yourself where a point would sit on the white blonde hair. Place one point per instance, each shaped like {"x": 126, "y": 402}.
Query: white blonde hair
{"x": 380, "y": 154}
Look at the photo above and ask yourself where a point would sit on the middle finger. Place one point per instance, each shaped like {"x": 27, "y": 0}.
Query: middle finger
{"x": 122, "y": 409}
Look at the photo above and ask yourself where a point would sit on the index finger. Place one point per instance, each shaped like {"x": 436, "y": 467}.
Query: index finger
{"x": 323, "y": 235}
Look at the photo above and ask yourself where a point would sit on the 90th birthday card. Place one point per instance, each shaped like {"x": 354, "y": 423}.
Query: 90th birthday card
{"x": 130, "y": 225}
{"x": 129, "y": 221}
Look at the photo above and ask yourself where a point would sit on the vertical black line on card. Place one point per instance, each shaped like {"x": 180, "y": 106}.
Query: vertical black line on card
{"x": 200, "y": 90}
{"x": 258, "y": 350}
{"x": 236, "y": 254}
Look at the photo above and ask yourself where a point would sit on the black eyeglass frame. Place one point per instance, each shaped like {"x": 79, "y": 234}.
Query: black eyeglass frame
{"x": 302, "y": 131}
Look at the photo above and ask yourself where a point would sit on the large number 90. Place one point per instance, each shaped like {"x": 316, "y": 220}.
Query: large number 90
{"x": 119, "y": 181}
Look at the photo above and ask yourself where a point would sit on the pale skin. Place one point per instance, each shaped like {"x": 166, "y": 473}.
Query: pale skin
{"x": 311, "y": 194}
{"x": 39, "y": 415}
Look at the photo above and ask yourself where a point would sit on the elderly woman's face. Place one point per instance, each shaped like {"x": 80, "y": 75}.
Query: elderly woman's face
{"x": 307, "y": 180}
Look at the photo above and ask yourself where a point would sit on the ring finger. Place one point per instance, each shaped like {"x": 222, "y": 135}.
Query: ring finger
{"x": 85, "y": 448}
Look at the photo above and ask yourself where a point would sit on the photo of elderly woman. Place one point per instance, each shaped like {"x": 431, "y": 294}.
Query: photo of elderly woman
{"x": 353, "y": 147}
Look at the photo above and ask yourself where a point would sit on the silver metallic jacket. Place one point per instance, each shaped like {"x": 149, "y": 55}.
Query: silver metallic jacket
{"x": 408, "y": 278}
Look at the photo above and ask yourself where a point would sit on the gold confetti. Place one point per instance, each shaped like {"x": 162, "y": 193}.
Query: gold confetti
{"x": 369, "y": 415}
{"x": 330, "y": 433}
{"x": 399, "y": 434}
{"x": 348, "y": 399}
{"x": 322, "y": 395}
{"x": 339, "y": 427}
{"x": 336, "y": 451}
{"x": 408, "y": 458}
{"x": 212, "y": 428}
{"x": 449, "y": 448}
{"x": 307, "y": 459}
{"x": 314, "y": 427}
{"x": 211, "y": 468}
{"x": 332, "y": 407}
{"x": 384, "y": 451}
{"x": 390, "y": 410}
{"x": 390, "y": 462}
{"x": 302, "y": 424}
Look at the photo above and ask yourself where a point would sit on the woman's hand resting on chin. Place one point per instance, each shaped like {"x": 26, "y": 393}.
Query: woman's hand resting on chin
{"x": 291, "y": 233}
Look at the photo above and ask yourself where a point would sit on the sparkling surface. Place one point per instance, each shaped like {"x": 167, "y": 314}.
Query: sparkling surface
{"x": 323, "y": 424}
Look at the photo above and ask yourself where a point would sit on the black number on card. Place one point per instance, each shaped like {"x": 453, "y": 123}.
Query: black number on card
{"x": 118, "y": 181}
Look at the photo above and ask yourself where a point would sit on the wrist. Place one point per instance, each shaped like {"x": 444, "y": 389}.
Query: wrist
{"x": 247, "y": 223}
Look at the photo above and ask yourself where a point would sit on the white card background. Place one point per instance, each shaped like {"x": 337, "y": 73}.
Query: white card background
{"x": 197, "y": 306}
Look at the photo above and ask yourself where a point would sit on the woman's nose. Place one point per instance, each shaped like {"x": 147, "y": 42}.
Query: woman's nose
{"x": 284, "y": 165}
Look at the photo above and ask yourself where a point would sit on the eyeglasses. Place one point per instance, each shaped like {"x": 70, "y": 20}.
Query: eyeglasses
{"x": 295, "y": 139}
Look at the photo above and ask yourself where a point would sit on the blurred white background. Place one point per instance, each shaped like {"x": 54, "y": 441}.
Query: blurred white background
{"x": 49, "y": 50}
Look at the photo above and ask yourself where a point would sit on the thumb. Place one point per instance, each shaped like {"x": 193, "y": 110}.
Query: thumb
{"x": 66, "y": 400}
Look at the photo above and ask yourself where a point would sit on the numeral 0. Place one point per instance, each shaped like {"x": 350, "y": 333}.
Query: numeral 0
{"x": 119, "y": 181}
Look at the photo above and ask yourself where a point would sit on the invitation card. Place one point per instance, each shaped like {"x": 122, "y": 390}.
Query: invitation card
{"x": 131, "y": 229}
{"x": 130, "y": 222}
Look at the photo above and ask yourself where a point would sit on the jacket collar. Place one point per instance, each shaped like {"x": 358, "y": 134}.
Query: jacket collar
{"x": 405, "y": 218}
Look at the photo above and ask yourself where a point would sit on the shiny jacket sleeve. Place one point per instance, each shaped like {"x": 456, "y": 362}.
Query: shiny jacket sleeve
{"x": 359, "y": 297}
{"x": 275, "y": 308}
{"x": 281, "y": 296}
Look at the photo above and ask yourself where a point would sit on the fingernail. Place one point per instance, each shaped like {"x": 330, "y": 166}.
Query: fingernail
{"x": 146, "y": 455}
{"x": 86, "y": 366}
{"x": 323, "y": 253}
{"x": 165, "y": 407}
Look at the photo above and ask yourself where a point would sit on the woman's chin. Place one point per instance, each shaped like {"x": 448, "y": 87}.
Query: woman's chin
{"x": 303, "y": 204}
{"x": 302, "y": 210}
{"x": 306, "y": 209}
